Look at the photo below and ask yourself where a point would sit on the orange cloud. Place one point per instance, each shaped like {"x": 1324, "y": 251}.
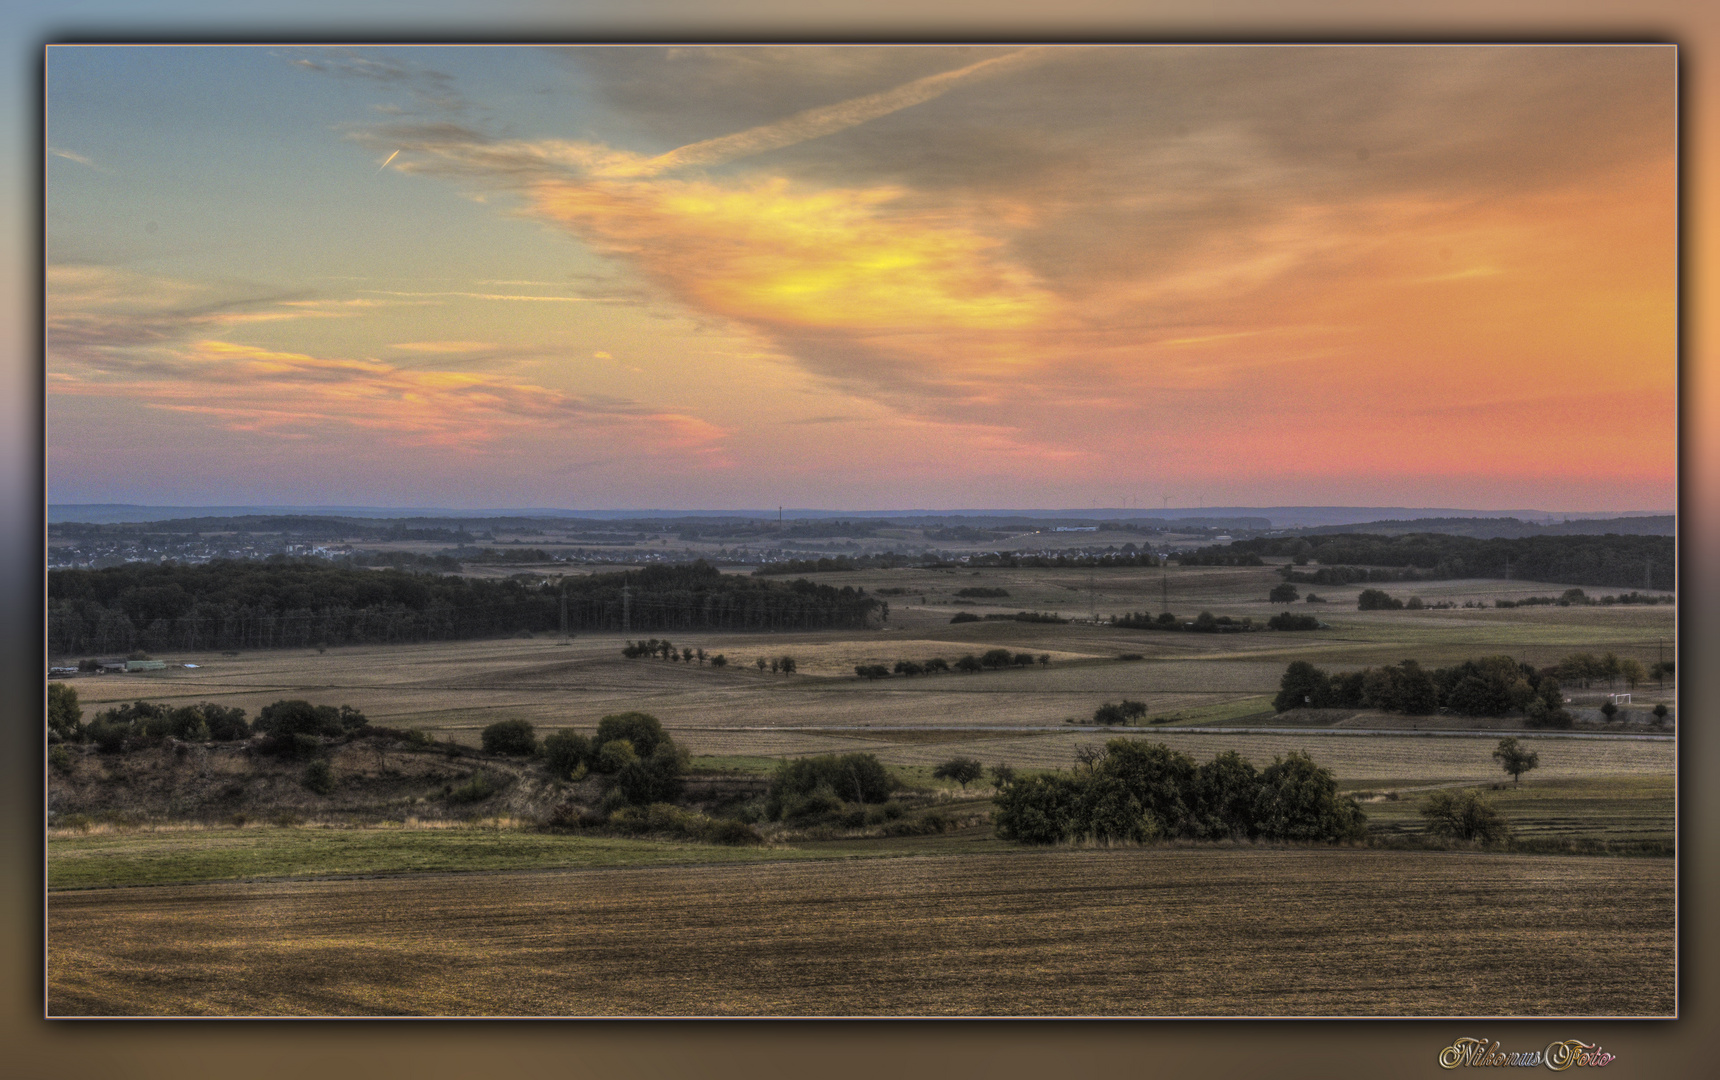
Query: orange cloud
{"x": 283, "y": 393}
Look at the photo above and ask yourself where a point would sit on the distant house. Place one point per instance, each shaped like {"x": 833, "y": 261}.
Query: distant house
{"x": 145, "y": 665}
{"x": 111, "y": 665}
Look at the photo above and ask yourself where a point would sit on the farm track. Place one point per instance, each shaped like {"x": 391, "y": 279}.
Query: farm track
{"x": 1127, "y": 932}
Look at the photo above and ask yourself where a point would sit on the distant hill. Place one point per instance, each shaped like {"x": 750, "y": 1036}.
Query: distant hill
{"x": 1508, "y": 528}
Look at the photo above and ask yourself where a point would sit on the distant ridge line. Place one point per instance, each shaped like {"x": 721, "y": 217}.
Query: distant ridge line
{"x": 1281, "y": 517}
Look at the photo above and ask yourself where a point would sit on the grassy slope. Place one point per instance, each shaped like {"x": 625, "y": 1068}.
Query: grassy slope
{"x": 179, "y": 856}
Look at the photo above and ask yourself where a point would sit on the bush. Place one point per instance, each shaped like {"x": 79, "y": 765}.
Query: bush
{"x": 614, "y": 755}
{"x": 296, "y": 717}
{"x": 1284, "y": 594}
{"x": 655, "y": 779}
{"x": 516, "y": 737}
{"x": 108, "y": 736}
{"x": 982, "y": 591}
{"x": 565, "y": 752}
{"x": 318, "y": 777}
{"x": 59, "y": 758}
{"x": 997, "y": 658}
{"x": 1464, "y": 815}
{"x": 480, "y": 787}
{"x": 1036, "y": 809}
{"x": 872, "y": 671}
{"x": 1376, "y": 600}
{"x": 1286, "y": 621}
{"x": 226, "y": 723}
{"x": 859, "y": 776}
{"x": 965, "y": 616}
{"x": 1119, "y": 713}
{"x": 642, "y": 730}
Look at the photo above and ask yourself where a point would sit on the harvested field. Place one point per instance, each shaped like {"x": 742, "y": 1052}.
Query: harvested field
{"x": 1360, "y": 760}
{"x": 1118, "y": 932}
{"x": 1617, "y": 809}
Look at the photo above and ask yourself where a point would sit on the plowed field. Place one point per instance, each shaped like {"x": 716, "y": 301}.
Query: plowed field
{"x": 1139, "y": 932}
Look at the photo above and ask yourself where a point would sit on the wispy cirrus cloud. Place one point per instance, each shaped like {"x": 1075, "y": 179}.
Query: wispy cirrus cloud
{"x": 69, "y": 155}
{"x": 292, "y": 394}
{"x": 144, "y": 339}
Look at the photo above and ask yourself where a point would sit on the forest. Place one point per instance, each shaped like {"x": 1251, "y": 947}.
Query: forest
{"x": 279, "y": 603}
{"x": 1625, "y": 561}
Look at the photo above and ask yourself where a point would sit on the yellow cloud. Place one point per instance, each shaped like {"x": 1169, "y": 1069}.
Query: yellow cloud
{"x": 443, "y": 347}
{"x": 834, "y": 258}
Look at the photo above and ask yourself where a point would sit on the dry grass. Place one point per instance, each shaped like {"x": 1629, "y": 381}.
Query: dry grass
{"x": 1123, "y": 932}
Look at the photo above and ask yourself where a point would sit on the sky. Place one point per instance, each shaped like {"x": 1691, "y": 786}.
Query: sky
{"x": 862, "y": 278}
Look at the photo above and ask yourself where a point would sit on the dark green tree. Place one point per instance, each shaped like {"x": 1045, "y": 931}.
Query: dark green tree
{"x": 642, "y": 730}
{"x": 1298, "y": 800}
{"x": 565, "y": 752}
{"x": 1514, "y": 758}
{"x": 1464, "y": 815}
{"x": 963, "y": 771}
{"x": 1303, "y": 686}
{"x": 516, "y": 737}
{"x": 64, "y": 714}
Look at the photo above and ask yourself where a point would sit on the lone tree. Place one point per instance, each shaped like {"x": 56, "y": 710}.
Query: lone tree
{"x": 962, "y": 770}
{"x": 1284, "y": 594}
{"x": 1464, "y": 816}
{"x": 1514, "y": 759}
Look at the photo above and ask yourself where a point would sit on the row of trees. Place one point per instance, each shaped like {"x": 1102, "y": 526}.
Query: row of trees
{"x": 1134, "y": 791}
{"x": 1489, "y": 686}
{"x": 991, "y": 659}
{"x": 233, "y": 604}
{"x": 289, "y": 726}
{"x": 1204, "y": 623}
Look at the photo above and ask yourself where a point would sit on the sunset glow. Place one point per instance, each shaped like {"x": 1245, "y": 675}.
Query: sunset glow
{"x": 863, "y": 278}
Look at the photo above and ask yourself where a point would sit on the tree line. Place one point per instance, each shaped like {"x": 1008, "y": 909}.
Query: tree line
{"x": 1134, "y": 790}
{"x": 1623, "y": 561}
{"x": 234, "y": 604}
{"x": 1488, "y": 686}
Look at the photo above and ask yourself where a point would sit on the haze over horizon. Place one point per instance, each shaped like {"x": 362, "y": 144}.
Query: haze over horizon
{"x": 868, "y": 277}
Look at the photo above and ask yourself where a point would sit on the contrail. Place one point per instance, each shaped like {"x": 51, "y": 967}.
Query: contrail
{"x": 816, "y": 123}
{"x": 391, "y": 157}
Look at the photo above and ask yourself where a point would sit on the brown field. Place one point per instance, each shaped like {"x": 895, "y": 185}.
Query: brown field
{"x": 1164, "y": 931}
{"x": 1226, "y": 932}
{"x": 456, "y": 688}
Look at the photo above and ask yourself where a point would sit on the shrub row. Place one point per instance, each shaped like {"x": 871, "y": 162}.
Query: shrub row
{"x": 1135, "y": 791}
